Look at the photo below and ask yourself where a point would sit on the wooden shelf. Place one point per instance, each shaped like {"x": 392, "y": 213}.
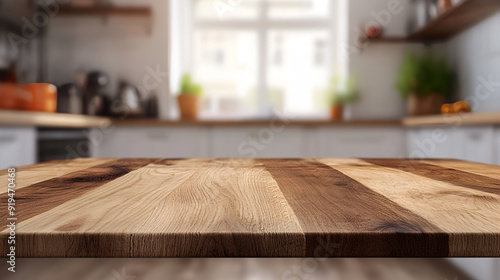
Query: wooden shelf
{"x": 39, "y": 119}
{"x": 141, "y": 11}
{"x": 450, "y": 23}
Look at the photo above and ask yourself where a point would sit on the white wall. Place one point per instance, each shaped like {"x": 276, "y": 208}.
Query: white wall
{"x": 476, "y": 53}
{"x": 375, "y": 65}
{"x": 122, "y": 47}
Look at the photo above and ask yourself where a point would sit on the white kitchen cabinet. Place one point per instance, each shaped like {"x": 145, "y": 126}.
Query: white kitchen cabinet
{"x": 361, "y": 142}
{"x": 17, "y": 147}
{"x": 434, "y": 142}
{"x": 479, "y": 269}
{"x": 150, "y": 142}
{"x": 257, "y": 142}
{"x": 474, "y": 144}
{"x": 477, "y": 144}
{"x": 497, "y": 266}
{"x": 496, "y": 143}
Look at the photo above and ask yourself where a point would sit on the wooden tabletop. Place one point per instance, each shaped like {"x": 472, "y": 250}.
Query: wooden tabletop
{"x": 255, "y": 208}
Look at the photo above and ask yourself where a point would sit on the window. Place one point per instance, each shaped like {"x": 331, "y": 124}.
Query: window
{"x": 256, "y": 56}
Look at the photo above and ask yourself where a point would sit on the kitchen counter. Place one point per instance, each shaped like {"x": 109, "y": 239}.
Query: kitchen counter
{"x": 492, "y": 118}
{"x": 250, "y": 208}
{"x": 40, "y": 119}
{"x": 256, "y": 122}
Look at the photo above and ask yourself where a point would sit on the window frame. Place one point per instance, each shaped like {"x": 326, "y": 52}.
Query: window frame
{"x": 262, "y": 25}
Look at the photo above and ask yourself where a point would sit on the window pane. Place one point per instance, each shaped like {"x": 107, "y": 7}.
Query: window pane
{"x": 299, "y": 67}
{"x": 288, "y": 9}
{"x": 226, "y": 9}
{"x": 226, "y": 66}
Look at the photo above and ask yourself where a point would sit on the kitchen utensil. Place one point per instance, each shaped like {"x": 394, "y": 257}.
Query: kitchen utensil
{"x": 69, "y": 99}
{"x": 151, "y": 107}
{"x": 94, "y": 98}
{"x": 128, "y": 102}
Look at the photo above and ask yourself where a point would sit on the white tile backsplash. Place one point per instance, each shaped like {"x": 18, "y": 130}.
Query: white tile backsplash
{"x": 476, "y": 53}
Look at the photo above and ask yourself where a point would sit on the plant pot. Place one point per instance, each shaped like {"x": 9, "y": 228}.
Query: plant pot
{"x": 188, "y": 106}
{"x": 336, "y": 112}
{"x": 425, "y": 105}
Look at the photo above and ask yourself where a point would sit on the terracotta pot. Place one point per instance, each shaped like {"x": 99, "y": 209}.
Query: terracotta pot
{"x": 337, "y": 112}
{"x": 426, "y": 105}
{"x": 445, "y": 5}
{"x": 43, "y": 98}
{"x": 188, "y": 106}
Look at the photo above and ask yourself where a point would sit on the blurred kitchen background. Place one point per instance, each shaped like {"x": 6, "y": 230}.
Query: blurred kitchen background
{"x": 251, "y": 78}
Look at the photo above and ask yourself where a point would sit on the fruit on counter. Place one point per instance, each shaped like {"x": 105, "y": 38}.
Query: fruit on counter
{"x": 459, "y": 107}
{"x": 373, "y": 31}
{"x": 446, "y": 109}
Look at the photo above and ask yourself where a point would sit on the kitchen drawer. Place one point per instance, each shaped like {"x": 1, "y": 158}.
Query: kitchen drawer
{"x": 477, "y": 144}
{"x": 434, "y": 142}
{"x": 17, "y": 147}
{"x": 361, "y": 142}
{"x": 496, "y": 148}
{"x": 478, "y": 269}
{"x": 152, "y": 142}
{"x": 257, "y": 142}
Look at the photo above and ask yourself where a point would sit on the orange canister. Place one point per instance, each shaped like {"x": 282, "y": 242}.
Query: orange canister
{"x": 9, "y": 93}
{"x": 43, "y": 98}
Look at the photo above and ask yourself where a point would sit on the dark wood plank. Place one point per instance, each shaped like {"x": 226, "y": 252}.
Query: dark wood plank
{"x": 336, "y": 211}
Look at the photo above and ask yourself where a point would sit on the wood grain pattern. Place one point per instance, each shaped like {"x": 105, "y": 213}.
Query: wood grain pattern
{"x": 333, "y": 207}
{"x": 459, "y": 211}
{"x": 257, "y": 208}
{"x": 32, "y": 174}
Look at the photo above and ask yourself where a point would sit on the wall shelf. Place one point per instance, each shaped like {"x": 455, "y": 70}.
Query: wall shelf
{"x": 450, "y": 23}
{"x": 105, "y": 12}
{"x": 140, "y": 11}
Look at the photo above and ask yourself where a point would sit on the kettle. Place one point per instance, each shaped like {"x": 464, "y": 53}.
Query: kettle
{"x": 128, "y": 102}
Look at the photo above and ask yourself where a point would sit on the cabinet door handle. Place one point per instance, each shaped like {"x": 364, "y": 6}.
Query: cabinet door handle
{"x": 7, "y": 138}
{"x": 475, "y": 136}
{"x": 358, "y": 140}
{"x": 158, "y": 136}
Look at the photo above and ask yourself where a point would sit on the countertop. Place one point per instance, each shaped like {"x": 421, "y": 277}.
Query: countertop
{"x": 492, "y": 118}
{"x": 40, "y": 119}
{"x": 256, "y": 208}
{"x": 37, "y": 119}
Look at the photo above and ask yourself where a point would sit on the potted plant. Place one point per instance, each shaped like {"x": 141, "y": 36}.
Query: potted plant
{"x": 341, "y": 96}
{"x": 188, "y": 98}
{"x": 425, "y": 82}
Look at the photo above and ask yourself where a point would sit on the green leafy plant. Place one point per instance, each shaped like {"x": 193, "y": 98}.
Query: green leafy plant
{"x": 342, "y": 95}
{"x": 423, "y": 76}
{"x": 188, "y": 87}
